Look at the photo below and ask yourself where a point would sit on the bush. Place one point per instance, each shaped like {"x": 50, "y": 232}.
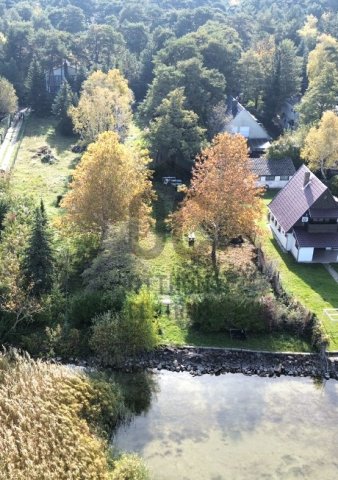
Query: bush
{"x": 219, "y": 312}
{"x": 116, "y": 336}
{"x": 333, "y": 184}
{"x": 86, "y": 305}
{"x": 129, "y": 467}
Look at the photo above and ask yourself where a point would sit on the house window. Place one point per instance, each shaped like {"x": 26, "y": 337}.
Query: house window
{"x": 245, "y": 131}
{"x": 284, "y": 177}
{"x": 269, "y": 178}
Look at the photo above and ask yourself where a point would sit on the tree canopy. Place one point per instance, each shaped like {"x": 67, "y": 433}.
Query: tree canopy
{"x": 223, "y": 200}
{"x": 110, "y": 184}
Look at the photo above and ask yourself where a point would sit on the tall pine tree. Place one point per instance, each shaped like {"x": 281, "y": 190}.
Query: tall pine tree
{"x": 62, "y": 102}
{"x": 37, "y": 95}
{"x": 38, "y": 261}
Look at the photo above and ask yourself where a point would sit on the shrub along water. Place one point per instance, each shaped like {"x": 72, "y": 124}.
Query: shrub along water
{"x": 118, "y": 335}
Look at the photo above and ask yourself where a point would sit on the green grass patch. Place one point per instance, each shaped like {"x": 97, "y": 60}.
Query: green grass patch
{"x": 175, "y": 334}
{"x": 32, "y": 177}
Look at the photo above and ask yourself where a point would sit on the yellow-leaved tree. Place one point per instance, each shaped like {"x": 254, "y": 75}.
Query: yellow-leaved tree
{"x": 8, "y": 98}
{"x": 321, "y": 144}
{"x": 105, "y": 104}
{"x": 223, "y": 199}
{"x": 111, "y": 184}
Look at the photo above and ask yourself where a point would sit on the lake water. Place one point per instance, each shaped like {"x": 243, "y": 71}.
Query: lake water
{"x": 233, "y": 427}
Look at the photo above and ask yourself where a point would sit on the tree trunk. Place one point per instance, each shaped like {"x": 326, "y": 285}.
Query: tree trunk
{"x": 214, "y": 255}
{"x": 322, "y": 169}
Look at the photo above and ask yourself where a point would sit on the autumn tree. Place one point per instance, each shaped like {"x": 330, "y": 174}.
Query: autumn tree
{"x": 108, "y": 184}
{"x": 223, "y": 200}
{"x": 175, "y": 135}
{"x": 322, "y": 91}
{"x": 104, "y": 105}
{"x": 8, "y": 98}
{"x": 321, "y": 144}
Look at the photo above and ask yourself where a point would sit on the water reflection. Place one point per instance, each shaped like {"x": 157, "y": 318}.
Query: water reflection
{"x": 231, "y": 426}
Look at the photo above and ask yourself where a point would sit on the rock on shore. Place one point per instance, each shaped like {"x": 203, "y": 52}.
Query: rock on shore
{"x": 200, "y": 361}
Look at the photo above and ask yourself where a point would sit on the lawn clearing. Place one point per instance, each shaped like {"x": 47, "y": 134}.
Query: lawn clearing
{"x": 32, "y": 177}
{"x": 176, "y": 333}
{"x": 311, "y": 284}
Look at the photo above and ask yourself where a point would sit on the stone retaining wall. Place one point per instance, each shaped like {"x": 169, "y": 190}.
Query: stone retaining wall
{"x": 200, "y": 361}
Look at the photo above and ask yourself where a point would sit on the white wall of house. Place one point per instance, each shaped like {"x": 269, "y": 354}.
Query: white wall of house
{"x": 247, "y": 125}
{"x": 305, "y": 254}
{"x": 276, "y": 183}
{"x": 280, "y": 236}
{"x": 293, "y": 248}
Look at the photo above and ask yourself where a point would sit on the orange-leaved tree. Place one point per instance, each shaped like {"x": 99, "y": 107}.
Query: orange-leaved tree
{"x": 110, "y": 184}
{"x": 223, "y": 199}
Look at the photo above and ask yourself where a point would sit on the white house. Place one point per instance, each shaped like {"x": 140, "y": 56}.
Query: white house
{"x": 243, "y": 122}
{"x": 273, "y": 172}
{"x": 288, "y": 116}
{"x": 303, "y": 218}
{"x": 57, "y": 75}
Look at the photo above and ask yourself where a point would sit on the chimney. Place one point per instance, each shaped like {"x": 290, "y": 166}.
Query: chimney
{"x": 306, "y": 179}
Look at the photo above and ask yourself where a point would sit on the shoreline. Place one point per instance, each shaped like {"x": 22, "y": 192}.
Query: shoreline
{"x": 216, "y": 361}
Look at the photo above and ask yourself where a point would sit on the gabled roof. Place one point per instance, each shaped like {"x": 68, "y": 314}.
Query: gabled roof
{"x": 273, "y": 166}
{"x": 294, "y": 200}
{"x": 237, "y": 114}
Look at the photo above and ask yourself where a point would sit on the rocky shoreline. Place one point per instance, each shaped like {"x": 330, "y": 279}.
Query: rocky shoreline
{"x": 216, "y": 361}
{"x": 201, "y": 361}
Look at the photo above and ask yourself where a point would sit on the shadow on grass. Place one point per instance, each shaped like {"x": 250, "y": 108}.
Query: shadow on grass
{"x": 166, "y": 203}
{"x": 59, "y": 142}
{"x": 38, "y": 126}
{"x": 175, "y": 333}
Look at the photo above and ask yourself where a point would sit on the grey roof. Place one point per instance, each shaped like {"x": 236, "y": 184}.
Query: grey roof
{"x": 315, "y": 240}
{"x": 293, "y": 201}
{"x": 273, "y": 166}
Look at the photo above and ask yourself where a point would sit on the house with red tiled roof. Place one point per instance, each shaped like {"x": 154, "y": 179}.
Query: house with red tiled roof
{"x": 303, "y": 218}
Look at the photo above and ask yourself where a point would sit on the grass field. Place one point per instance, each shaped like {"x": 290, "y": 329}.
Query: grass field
{"x": 32, "y": 177}
{"x": 312, "y": 285}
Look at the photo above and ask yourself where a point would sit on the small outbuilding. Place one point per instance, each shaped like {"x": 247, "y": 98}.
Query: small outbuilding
{"x": 273, "y": 172}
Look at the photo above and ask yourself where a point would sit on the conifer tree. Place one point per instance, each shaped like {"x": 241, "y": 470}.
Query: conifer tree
{"x": 37, "y": 95}
{"x": 175, "y": 136}
{"x": 62, "y": 102}
{"x": 38, "y": 261}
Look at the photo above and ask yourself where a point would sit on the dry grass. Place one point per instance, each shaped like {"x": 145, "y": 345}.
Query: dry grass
{"x": 43, "y": 433}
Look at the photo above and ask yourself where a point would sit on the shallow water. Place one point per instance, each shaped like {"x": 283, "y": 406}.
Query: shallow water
{"x": 233, "y": 427}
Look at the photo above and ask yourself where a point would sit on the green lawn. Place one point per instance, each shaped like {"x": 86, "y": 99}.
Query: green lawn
{"x": 312, "y": 285}
{"x": 43, "y": 181}
{"x": 176, "y": 333}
